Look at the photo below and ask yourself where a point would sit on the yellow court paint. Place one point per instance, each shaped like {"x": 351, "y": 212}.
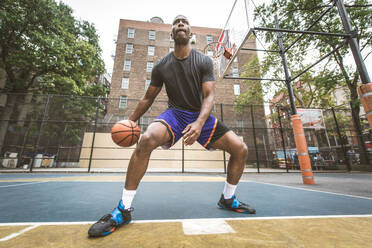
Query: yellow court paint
{"x": 306, "y": 232}
{"x": 7, "y": 230}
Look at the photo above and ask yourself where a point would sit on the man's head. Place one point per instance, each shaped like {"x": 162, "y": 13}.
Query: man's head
{"x": 181, "y": 30}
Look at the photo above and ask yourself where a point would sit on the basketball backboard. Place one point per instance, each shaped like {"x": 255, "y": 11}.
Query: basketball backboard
{"x": 234, "y": 34}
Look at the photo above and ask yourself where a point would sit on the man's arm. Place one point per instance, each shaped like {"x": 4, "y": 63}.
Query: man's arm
{"x": 145, "y": 103}
{"x": 192, "y": 131}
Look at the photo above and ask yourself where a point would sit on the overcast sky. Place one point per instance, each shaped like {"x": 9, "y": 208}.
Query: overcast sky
{"x": 106, "y": 15}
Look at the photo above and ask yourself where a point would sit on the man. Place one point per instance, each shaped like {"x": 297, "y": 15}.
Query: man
{"x": 189, "y": 81}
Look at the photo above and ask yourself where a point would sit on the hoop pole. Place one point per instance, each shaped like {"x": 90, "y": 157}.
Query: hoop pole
{"x": 285, "y": 66}
{"x": 260, "y": 50}
{"x": 301, "y": 32}
{"x": 253, "y": 78}
{"x": 353, "y": 43}
{"x": 308, "y": 29}
{"x": 320, "y": 60}
{"x": 298, "y": 129}
{"x": 302, "y": 150}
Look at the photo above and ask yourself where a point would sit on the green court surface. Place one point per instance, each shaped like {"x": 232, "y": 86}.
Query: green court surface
{"x": 179, "y": 210}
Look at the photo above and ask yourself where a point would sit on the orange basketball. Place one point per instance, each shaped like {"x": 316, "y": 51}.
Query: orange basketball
{"x": 125, "y": 133}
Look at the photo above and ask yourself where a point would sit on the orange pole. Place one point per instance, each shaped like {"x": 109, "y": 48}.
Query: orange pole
{"x": 302, "y": 151}
{"x": 365, "y": 93}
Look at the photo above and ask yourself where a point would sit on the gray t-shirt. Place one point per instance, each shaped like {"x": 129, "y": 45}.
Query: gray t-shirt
{"x": 183, "y": 79}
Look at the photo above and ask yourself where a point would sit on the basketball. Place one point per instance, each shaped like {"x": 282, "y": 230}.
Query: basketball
{"x": 125, "y": 133}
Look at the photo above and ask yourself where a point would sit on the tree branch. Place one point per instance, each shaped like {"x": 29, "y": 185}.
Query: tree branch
{"x": 42, "y": 72}
{"x": 367, "y": 55}
{"x": 340, "y": 63}
{"x": 366, "y": 44}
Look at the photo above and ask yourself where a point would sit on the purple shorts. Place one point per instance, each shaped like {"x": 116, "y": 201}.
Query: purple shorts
{"x": 176, "y": 121}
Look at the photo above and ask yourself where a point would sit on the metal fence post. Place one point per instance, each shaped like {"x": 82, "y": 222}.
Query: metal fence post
{"x": 224, "y": 154}
{"x": 254, "y": 140}
{"x": 183, "y": 156}
{"x": 40, "y": 130}
{"x": 340, "y": 137}
{"x": 94, "y": 135}
{"x": 283, "y": 142}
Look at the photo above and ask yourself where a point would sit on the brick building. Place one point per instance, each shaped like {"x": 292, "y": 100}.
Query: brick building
{"x": 140, "y": 45}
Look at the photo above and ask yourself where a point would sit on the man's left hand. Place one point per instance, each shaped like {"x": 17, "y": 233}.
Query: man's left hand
{"x": 192, "y": 132}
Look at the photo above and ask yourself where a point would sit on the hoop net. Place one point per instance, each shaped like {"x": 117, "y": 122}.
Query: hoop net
{"x": 215, "y": 50}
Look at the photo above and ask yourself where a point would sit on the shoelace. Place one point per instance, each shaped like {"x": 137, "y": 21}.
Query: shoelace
{"x": 105, "y": 218}
{"x": 108, "y": 217}
{"x": 131, "y": 209}
{"x": 236, "y": 203}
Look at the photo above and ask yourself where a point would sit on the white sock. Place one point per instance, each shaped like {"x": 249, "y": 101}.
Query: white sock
{"x": 228, "y": 190}
{"x": 127, "y": 198}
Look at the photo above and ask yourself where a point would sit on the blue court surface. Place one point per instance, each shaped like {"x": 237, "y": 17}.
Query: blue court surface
{"x": 27, "y": 199}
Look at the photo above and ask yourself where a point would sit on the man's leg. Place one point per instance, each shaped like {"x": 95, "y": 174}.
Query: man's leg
{"x": 238, "y": 151}
{"x": 155, "y": 135}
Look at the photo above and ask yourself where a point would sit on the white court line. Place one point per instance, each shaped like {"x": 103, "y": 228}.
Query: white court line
{"x": 202, "y": 227}
{"x": 319, "y": 191}
{"x": 205, "y": 219}
{"x": 21, "y": 184}
{"x": 13, "y": 235}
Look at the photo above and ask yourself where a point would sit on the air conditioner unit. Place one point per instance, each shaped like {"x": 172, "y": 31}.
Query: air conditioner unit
{"x": 193, "y": 39}
{"x": 10, "y": 160}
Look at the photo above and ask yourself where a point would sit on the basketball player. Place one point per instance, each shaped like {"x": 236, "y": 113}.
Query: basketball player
{"x": 189, "y": 81}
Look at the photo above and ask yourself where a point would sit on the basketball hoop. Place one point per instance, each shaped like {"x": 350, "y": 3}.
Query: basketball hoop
{"x": 214, "y": 51}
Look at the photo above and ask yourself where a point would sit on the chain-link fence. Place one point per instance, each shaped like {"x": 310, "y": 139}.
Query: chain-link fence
{"x": 69, "y": 133}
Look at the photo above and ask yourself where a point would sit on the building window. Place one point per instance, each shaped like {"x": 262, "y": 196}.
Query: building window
{"x": 129, "y": 48}
{"x": 235, "y": 72}
{"x": 131, "y": 33}
{"x": 193, "y": 39}
{"x": 209, "y": 39}
{"x": 123, "y": 102}
{"x": 151, "y": 35}
{"x": 171, "y": 49}
{"x": 125, "y": 83}
{"x": 127, "y": 65}
{"x": 150, "y": 50}
{"x": 149, "y": 66}
{"x": 236, "y": 89}
{"x": 147, "y": 83}
{"x": 239, "y": 123}
{"x": 145, "y": 121}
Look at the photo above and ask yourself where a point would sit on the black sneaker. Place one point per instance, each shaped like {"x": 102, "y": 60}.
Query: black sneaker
{"x": 234, "y": 205}
{"x": 110, "y": 222}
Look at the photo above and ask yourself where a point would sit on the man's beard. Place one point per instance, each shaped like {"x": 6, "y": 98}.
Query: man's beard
{"x": 181, "y": 41}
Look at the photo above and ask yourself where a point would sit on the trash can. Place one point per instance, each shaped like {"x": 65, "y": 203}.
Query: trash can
{"x": 10, "y": 160}
{"x": 37, "y": 160}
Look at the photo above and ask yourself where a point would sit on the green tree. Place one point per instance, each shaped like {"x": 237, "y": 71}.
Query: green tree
{"x": 254, "y": 94}
{"x": 299, "y": 15}
{"x": 44, "y": 49}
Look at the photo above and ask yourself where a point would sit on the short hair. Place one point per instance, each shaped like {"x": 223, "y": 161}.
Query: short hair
{"x": 184, "y": 17}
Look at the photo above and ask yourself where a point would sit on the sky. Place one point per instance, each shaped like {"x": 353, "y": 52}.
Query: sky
{"x": 106, "y": 16}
